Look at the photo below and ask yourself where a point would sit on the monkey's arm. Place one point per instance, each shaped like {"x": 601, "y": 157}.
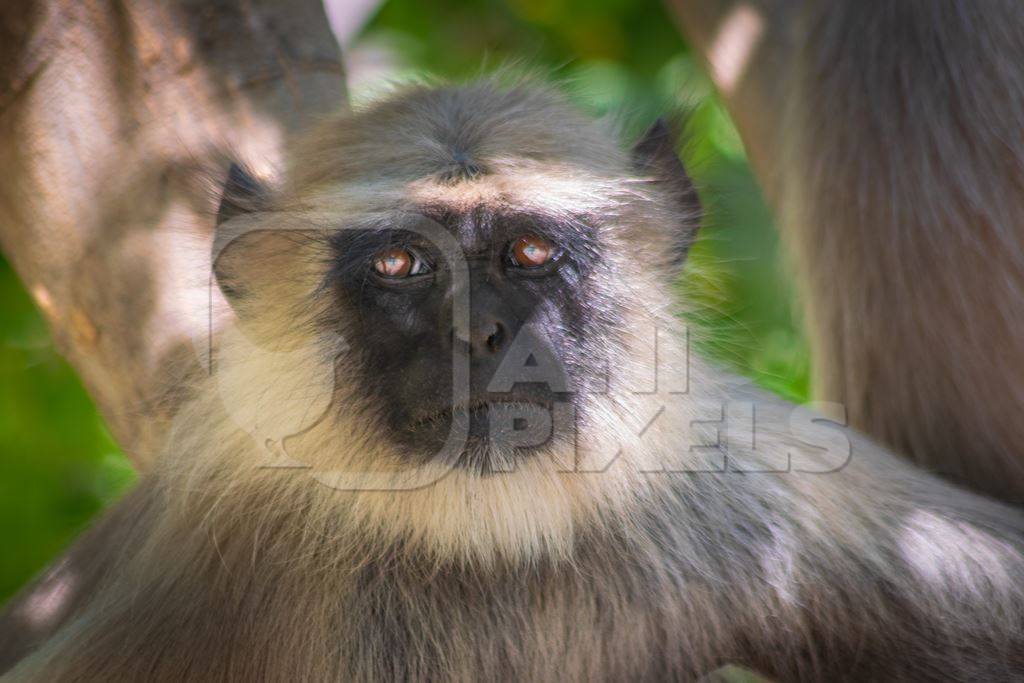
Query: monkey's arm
{"x": 867, "y": 566}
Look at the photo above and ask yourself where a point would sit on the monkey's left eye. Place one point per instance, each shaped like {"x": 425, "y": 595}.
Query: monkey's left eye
{"x": 531, "y": 251}
{"x": 398, "y": 263}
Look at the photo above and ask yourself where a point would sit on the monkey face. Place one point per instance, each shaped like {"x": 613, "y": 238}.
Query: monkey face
{"x": 480, "y": 251}
{"x": 532, "y": 340}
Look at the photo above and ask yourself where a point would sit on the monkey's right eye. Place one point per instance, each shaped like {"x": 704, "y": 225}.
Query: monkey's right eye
{"x": 398, "y": 263}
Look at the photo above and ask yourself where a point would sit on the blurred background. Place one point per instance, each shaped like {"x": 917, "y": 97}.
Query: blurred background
{"x": 621, "y": 58}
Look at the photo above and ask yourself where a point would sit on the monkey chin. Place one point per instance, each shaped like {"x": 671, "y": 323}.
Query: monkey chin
{"x": 491, "y": 437}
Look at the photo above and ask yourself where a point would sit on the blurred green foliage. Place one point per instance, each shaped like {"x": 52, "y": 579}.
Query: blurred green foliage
{"x": 58, "y": 465}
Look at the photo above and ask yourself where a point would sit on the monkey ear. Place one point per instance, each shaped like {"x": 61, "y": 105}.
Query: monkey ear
{"x": 242, "y": 194}
{"x": 654, "y": 157}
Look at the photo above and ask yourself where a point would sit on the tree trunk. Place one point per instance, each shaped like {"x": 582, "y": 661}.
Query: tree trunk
{"x": 887, "y": 138}
{"x": 109, "y": 111}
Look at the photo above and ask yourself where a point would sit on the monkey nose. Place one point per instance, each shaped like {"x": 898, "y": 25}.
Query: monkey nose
{"x": 488, "y": 338}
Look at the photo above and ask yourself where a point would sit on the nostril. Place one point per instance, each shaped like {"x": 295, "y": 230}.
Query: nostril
{"x": 497, "y": 338}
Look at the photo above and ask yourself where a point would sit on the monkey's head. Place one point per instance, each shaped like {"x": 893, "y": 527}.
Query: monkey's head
{"x": 472, "y": 258}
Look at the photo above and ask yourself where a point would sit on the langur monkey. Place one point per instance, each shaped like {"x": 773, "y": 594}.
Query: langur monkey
{"x": 498, "y": 459}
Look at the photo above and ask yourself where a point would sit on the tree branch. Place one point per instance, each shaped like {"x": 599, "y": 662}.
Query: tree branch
{"x": 748, "y": 48}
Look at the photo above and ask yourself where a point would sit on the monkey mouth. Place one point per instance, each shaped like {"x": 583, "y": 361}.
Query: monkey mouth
{"x": 489, "y": 419}
{"x": 490, "y": 432}
{"x": 445, "y": 415}
{"x": 497, "y": 431}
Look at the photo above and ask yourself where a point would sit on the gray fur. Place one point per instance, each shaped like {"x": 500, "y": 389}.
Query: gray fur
{"x": 868, "y": 570}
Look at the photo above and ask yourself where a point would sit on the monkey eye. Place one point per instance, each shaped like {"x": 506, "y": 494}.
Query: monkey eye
{"x": 530, "y": 251}
{"x": 398, "y": 263}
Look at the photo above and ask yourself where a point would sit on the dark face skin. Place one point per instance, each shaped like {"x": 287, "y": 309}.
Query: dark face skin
{"x": 535, "y": 320}
{"x": 455, "y": 335}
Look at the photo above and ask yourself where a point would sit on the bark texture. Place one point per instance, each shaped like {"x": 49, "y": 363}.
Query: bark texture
{"x": 109, "y": 112}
